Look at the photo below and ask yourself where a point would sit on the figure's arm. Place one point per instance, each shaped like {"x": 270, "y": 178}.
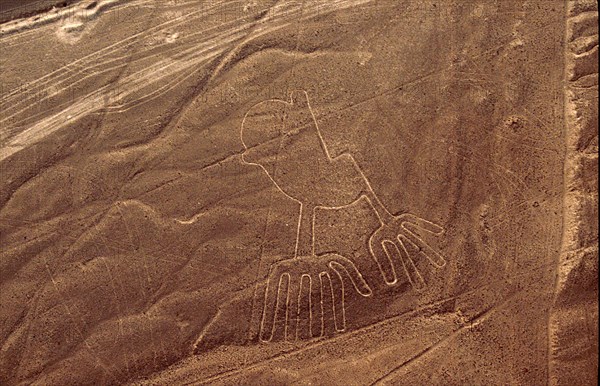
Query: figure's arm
{"x": 382, "y": 213}
{"x": 367, "y": 191}
{"x": 299, "y": 100}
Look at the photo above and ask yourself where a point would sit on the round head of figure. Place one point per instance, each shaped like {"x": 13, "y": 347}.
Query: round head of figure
{"x": 267, "y": 124}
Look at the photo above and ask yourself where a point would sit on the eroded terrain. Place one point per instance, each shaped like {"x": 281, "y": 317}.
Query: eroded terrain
{"x": 300, "y": 192}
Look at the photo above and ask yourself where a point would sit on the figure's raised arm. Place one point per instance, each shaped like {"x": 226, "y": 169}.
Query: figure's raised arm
{"x": 399, "y": 240}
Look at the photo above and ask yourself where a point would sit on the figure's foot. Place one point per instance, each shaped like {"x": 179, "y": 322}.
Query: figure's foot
{"x": 304, "y": 298}
{"x": 399, "y": 243}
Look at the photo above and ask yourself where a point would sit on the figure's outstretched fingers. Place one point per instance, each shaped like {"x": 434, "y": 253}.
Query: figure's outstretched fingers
{"x": 333, "y": 311}
{"x": 339, "y": 302}
{"x": 425, "y": 250}
{"x": 292, "y": 308}
{"x": 305, "y": 313}
{"x": 318, "y": 312}
{"x": 382, "y": 258}
{"x": 414, "y": 276}
{"x": 418, "y": 223}
{"x": 274, "y": 306}
{"x": 344, "y": 267}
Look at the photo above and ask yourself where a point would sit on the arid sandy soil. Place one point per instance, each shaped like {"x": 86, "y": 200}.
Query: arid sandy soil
{"x": 16, "y": 9}
{"x": 317, "y": 192}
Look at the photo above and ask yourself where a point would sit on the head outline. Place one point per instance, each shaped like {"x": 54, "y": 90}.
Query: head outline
{"x": 297, "y": 99}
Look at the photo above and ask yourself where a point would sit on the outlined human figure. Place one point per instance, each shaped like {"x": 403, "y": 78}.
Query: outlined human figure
{"x": 283, "y": 138}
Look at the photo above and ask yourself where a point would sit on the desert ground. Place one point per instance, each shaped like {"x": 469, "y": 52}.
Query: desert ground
{"x": 299, "y": 192}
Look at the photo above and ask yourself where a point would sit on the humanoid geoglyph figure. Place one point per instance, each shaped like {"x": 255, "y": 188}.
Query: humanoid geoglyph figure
{"x": 283, "y": 138}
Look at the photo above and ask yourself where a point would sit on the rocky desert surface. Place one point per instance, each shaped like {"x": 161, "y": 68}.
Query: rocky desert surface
{"x": 299, "y": 192}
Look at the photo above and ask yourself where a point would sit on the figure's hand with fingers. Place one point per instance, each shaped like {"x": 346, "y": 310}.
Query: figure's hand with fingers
{"x": 304, "y": 297}
{"x": 398, "y": 242}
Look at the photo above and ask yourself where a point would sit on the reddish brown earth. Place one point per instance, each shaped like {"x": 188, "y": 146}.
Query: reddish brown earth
{"x": 16, "y": 9}
{"x": 270, "y": 192}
